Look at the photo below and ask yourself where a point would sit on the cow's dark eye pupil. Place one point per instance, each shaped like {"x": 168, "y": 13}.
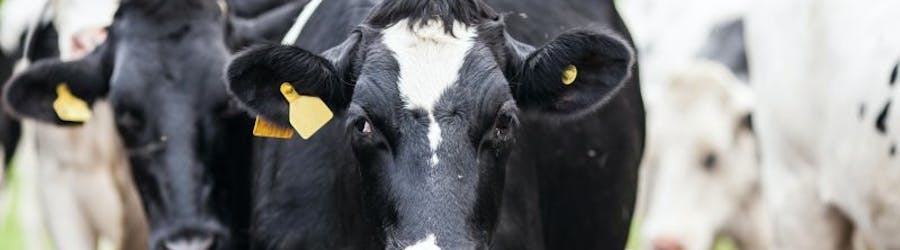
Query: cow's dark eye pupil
{"x": 710, "y": 161}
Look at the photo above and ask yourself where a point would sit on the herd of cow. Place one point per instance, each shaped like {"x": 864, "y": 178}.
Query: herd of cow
{"x": 452, "y": 124}
{"x": 420, "y": 124}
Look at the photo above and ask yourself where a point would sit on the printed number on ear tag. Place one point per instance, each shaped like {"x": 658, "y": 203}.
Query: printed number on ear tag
{"x": 69, "y": 107}
{"x": 266, "y": 129}
{"x": 307, "y": 114}
{"x": 570, "y": 73}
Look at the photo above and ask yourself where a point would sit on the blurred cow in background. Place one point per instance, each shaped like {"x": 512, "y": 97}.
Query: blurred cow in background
{"x": 187, "y": 145}
{"x": 706, "y": 179}
{"x": 825, "y": 74}
{"x": 700, "y": 178}
{"x": 84, "y": 186}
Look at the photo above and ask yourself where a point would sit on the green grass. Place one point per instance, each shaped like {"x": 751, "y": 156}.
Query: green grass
{"x": 11, "y": 235}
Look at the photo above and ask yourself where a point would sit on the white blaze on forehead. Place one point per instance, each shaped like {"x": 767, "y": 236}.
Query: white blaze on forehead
{"x": 429, "y": 60}
{"x": 434, "y": 138}
{"x": 429, "y": 243}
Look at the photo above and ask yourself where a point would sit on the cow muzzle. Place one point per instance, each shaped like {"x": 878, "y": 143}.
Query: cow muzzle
{"x": 190, "y": 237}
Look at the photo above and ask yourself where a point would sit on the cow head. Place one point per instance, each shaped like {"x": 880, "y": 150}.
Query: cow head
{"x": 705, "y": 177}
{"x": 161, "y": 69}
{"x": 431, "y": 93}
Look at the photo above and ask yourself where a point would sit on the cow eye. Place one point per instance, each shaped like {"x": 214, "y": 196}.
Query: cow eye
{"x": 364, "y": 127}
{"x": 131, "y": 125}
{"x": 129, "y": 122}
{"x": 503, "y": 126}
{"x": 710, "y": 161}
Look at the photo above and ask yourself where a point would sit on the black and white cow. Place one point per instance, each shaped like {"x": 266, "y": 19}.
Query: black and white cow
{"x": 161, "y": 69}
{"x": 827, "y": 121}
{"x": 447, "y": 132}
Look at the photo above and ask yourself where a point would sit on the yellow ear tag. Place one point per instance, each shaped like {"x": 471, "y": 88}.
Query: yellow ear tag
{"x": 569, "y": 74}
{"x": 266, "y": 129}
{"x": 69, "y": 107}
{"x": 307, "y": 114}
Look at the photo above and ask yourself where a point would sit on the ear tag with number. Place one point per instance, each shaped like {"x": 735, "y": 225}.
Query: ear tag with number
{"x": 569, "y": 74}
{"x": 69, "y": 107}
{"x": 307, "y": 114}
{"x": 266, "y": 129}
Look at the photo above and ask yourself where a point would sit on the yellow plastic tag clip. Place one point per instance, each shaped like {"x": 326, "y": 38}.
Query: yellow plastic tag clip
{"x": 307, "y": 114}
{"x": 266, "y": 129}
{"x": 570, "y": 73}
{"x": 69, "y": 107}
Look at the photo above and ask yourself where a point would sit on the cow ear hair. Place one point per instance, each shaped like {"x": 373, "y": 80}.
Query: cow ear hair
{"x": 575, "y": 74}
{"x": 31, "y": 93}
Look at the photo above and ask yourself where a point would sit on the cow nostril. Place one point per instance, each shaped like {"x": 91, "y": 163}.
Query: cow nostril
{"x": 194, "y": 243}
{"x": 667, "y": 243}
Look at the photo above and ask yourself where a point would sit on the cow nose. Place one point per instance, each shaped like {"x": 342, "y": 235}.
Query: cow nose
{"x": 667, "y": 243}
{"x": 193, "y": 243}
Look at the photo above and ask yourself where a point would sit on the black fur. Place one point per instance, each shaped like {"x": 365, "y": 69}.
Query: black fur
{"x": 881, "y": 121}
{"x": 469, "y": 12}
{"x": 267, "y": 26}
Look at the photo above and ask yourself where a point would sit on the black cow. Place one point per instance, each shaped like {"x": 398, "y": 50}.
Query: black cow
{"x": 161, "y": 68}
{"x": 440, "y": 116}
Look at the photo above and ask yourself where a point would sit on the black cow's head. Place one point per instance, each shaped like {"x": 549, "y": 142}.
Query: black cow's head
{"x": 431, "y": 93}
{"x": 161, "y": 69}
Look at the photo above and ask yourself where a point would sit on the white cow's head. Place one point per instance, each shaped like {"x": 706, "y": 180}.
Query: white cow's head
{"x": 703, "y": 158}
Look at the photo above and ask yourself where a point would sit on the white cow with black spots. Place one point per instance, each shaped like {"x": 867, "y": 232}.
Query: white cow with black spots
{"x": 823, "y": 72}
{"x": 705, "y": 177}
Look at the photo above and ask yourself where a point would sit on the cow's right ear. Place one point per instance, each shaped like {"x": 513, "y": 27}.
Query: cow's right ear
{"x": 59, "y": 92}
{"x": 256, "y": 78}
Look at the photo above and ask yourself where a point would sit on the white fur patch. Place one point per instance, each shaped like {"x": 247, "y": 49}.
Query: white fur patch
{"x": 15, "y": 18}
{"x": 434, "y": 138}
{"x": 429, "y": 60}
{"x": 429, "y": 243}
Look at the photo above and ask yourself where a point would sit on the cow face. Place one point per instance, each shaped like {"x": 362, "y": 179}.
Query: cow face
{"x": 432, "y": 107}
{"x": 161, "y": 70}
{"x": 705, "y": 178}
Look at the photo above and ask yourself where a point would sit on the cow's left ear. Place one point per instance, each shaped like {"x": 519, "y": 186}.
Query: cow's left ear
{"x": 59, "y": 92}
{"x": 574, "y": 74}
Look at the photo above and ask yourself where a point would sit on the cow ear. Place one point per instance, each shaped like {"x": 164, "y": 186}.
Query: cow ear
{"x": 268, "y": 26}
{"x": 574, "y": 74}
{"x": 256, "y": 78}
{"x": 58, "y": 92}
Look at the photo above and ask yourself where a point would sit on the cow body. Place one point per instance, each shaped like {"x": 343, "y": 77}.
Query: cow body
{"x": 337, "y": 190}
{"x": 825, "y": 123}
{"x": 86, "y": 193}
{"x": 160, "y": 70}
